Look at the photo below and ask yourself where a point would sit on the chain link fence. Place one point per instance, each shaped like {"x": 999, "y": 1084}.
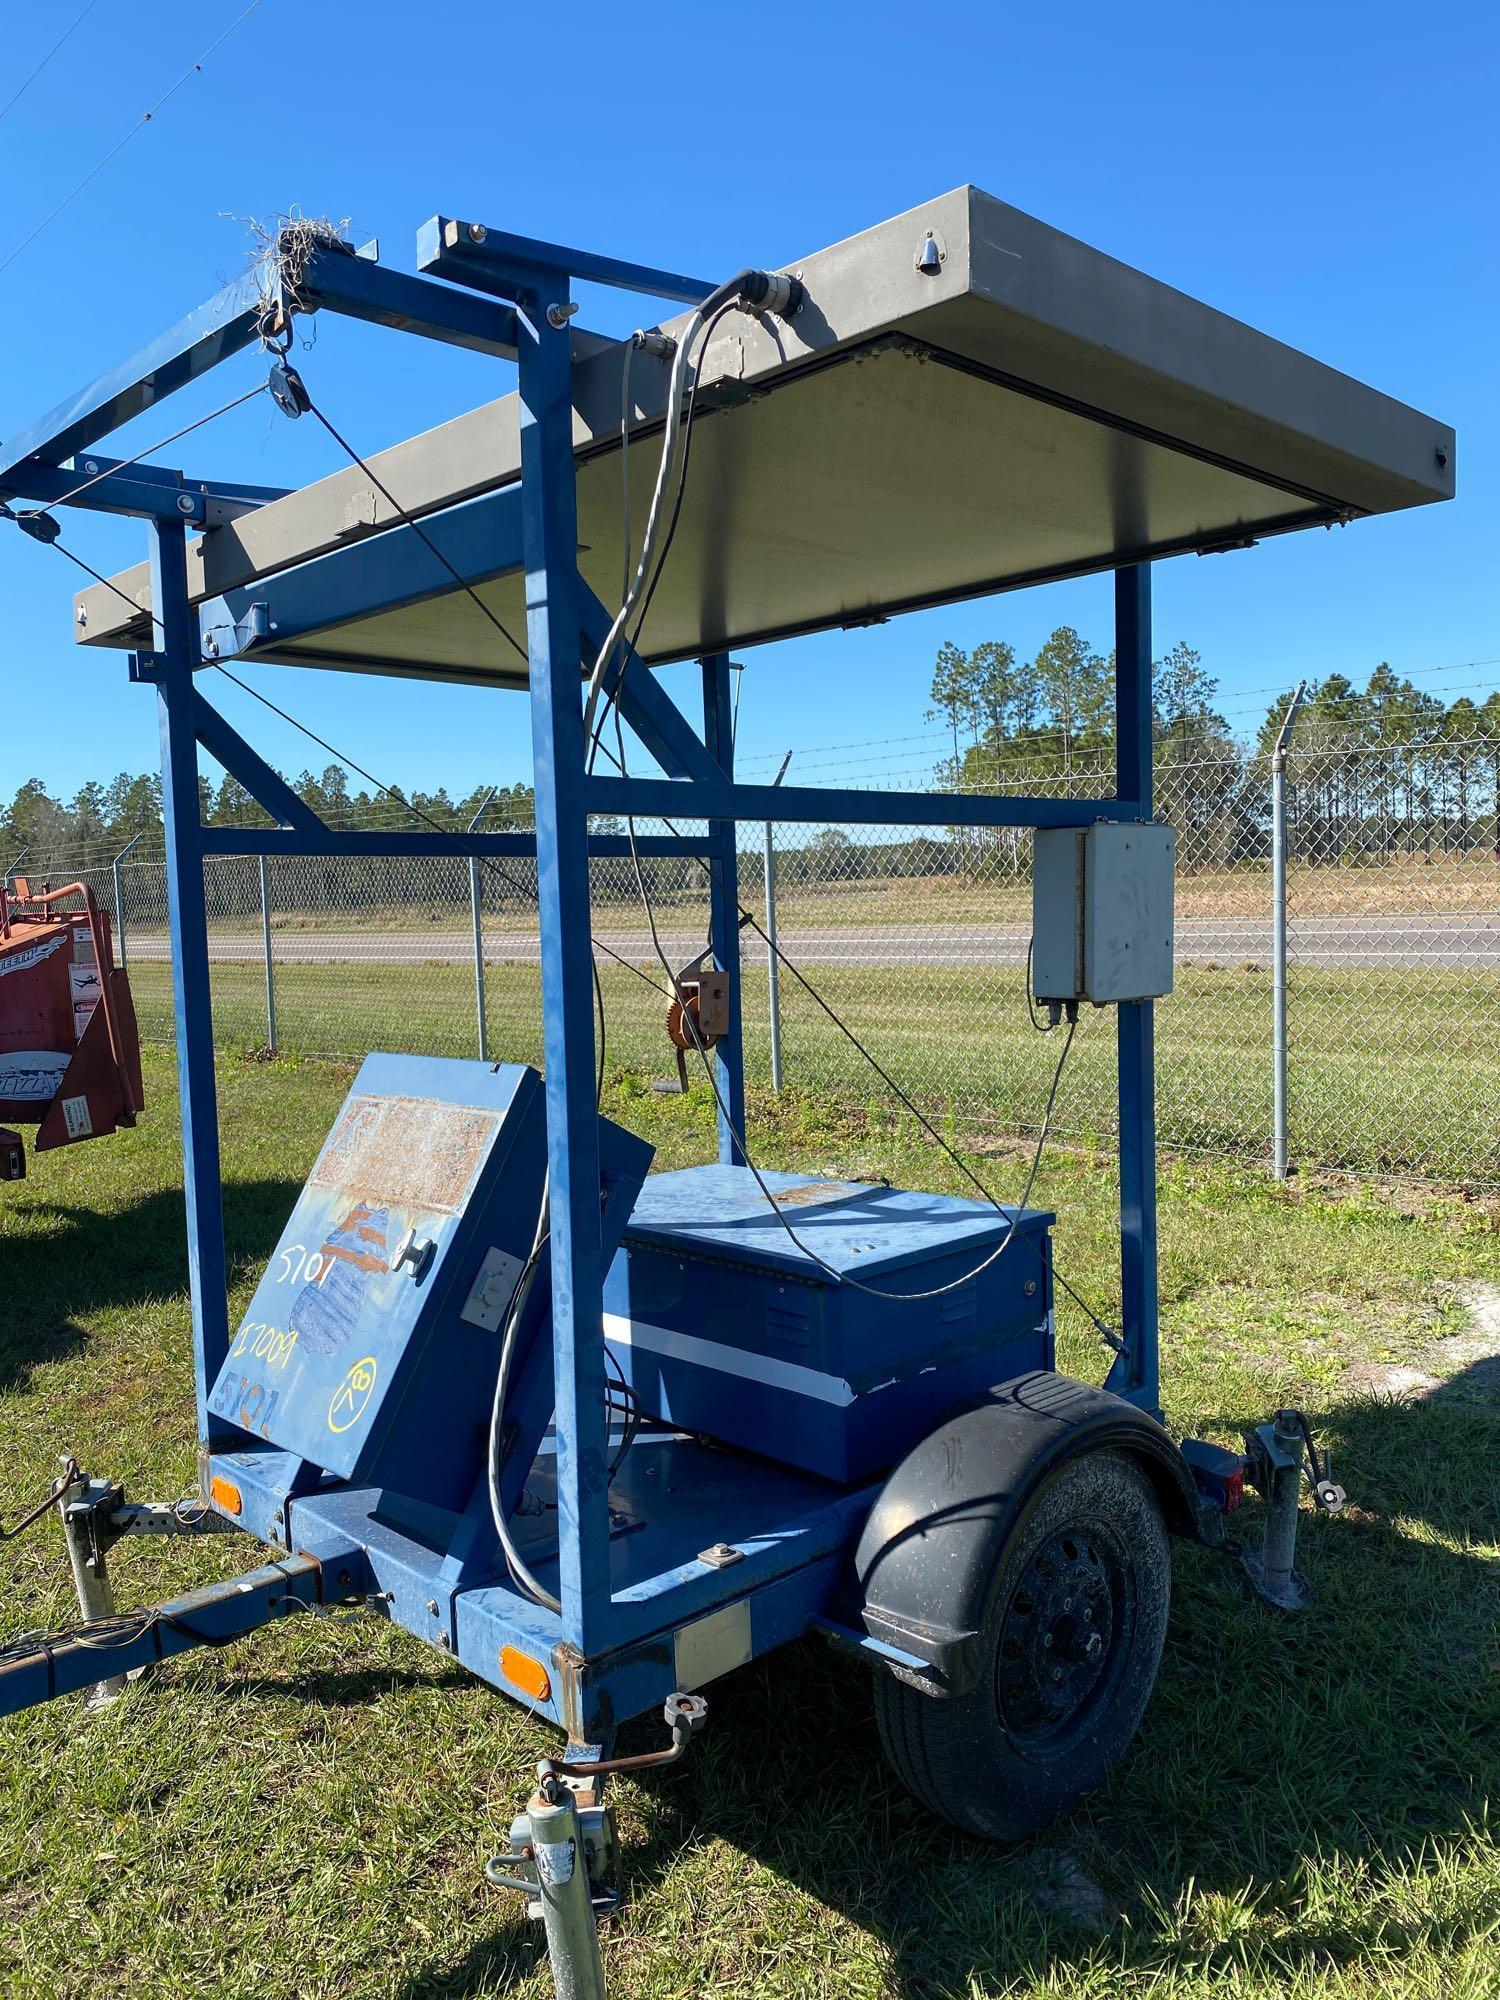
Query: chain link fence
{"x": 917, "y": 941}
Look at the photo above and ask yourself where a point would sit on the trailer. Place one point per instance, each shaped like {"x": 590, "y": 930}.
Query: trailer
{"x": 604, "y": 1435}
{"x": 70, "y": 1052}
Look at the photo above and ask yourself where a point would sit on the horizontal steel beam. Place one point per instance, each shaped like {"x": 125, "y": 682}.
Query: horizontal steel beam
{"x": 385, "y": 571}
{"x": 362, "y": 289}
{"x": 207, "y": 1617}
{"x": 396, "y": 845}
{"x": 145, "y": 491}
{"x": 471, "y": 253}
{"x": 224, "y": 325}
{"x": 668, "y": 798}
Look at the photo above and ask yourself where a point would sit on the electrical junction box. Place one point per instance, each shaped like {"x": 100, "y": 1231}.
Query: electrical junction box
{"x": 1101, "y": 911}
{"x": 722, "y": 1325}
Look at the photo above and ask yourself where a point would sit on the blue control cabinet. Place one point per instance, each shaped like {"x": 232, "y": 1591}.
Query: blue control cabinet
{"x": 725, "y": 1326}
{"x": 371, "y": 1346}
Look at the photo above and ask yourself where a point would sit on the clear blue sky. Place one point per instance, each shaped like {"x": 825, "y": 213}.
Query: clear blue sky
{"x": 1328, "y": 174}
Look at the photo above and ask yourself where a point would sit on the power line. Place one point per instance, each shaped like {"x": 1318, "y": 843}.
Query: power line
{"x": 16, "y": 96}
{"x": 120, "y": 144}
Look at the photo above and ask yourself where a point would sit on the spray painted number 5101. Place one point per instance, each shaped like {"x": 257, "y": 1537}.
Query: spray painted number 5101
{"x": 299, "y": 1265}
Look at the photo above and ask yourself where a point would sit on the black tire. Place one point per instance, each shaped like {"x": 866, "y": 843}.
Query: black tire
{"x": 1051, "y": 1711}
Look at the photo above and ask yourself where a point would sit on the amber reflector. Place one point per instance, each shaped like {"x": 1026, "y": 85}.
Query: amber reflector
{"x": 225, "y": 1494}
{"x": 529, "y": 1675}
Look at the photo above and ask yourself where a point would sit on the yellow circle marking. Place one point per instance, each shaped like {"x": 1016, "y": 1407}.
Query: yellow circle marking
{"x": 352, "y": 1396}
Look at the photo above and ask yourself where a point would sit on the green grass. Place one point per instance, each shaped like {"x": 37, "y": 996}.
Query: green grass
{"x": 1307, "y": 1811}
{"x": 1391, "y": 1072}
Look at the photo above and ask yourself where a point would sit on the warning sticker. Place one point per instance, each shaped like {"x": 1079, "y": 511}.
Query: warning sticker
{"x": 75, "y": 1112}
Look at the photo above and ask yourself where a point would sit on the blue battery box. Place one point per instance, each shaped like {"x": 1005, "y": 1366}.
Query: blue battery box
{"x": 723, "y": 1325}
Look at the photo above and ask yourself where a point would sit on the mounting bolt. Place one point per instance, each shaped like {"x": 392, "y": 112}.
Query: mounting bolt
{"x": 477, "y": 232}
{"x": 445, "y": 1642}
{"x": 560, "y": 315}
{"x": 721, "y": 1556}
{"x": 83, "y": 616}
{"x": 432, "y": 1607}
{"x": 184, "y": 503}
{"x": 91, "y": 465}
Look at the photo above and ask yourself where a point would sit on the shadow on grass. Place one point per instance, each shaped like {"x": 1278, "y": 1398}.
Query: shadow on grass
{"x": 1297, "y": 1781}
{"x": 320, "y": 1688}
{"x": 67, "y": 1264}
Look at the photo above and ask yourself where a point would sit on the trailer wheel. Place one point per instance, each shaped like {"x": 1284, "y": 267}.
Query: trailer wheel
{"x": 1071, "y": 1643}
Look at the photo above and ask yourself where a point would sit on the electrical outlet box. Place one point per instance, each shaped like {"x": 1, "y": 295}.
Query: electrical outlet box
{"x": 1101, "y": 912}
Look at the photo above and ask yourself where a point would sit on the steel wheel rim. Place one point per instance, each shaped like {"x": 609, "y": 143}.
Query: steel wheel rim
{"x": 1062, "y": 1640}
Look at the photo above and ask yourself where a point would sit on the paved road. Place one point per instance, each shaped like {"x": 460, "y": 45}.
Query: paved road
{"x": 1363, "y": 943}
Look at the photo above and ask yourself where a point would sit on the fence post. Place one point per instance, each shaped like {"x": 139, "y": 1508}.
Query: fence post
{"x": 773, "y": 968}
{"x": 16, "y": 864}
{"x": 1278, "y": 933}
{"x": 474, "y": 911}
{"x": 120, "y": 897}
{"x": 265, "y": 932}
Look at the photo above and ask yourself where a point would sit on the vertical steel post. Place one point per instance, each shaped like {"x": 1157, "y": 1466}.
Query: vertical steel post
{"x": 724, "y": 912}
{"x": 773, "y": 964}
{"x": 91, "y": 1579}
{"x": 549, "y": 521}
{"x": 566, "y": 1898}
{"x": 173, "y": 665}
{"x": 120, "y": 897}
{"x": 475, "y": 908}
{"x": 1135, "y": 1373}
{"x": 265, "y": 933}
{"x": 1278, "y": 934}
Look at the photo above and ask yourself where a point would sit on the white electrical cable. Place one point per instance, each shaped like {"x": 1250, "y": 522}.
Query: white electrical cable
{"x": 671, "y": 448}
{"x": 522, "y": 1293}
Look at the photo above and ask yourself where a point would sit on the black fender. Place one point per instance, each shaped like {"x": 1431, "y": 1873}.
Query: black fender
{"x": 928, "y": 1558}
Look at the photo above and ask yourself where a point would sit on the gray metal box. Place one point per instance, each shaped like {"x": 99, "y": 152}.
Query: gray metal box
{"x": 1101, "y": 912}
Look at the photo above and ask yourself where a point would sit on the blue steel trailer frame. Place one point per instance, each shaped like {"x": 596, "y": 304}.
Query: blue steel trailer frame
{"x": 789, "y": 1560}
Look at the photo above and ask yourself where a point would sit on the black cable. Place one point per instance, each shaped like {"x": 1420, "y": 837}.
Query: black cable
{"x": 120, "y": 144}
{"x": 1106, "y": 1333}
{"x": 16, "y": 95}
{"x": 114, "y": 471}
{"x": 1111, "y": 1339}
{"x": 89, "y": 570}
{"x": 842, "y": 1277}
{"x": 486, "y": 861}
{"x": 1315, "y": 1463}
{"x": 416, "y": 527}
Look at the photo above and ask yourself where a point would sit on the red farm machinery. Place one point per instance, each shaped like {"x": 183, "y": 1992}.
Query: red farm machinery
{"x": 70, "y": 1052}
